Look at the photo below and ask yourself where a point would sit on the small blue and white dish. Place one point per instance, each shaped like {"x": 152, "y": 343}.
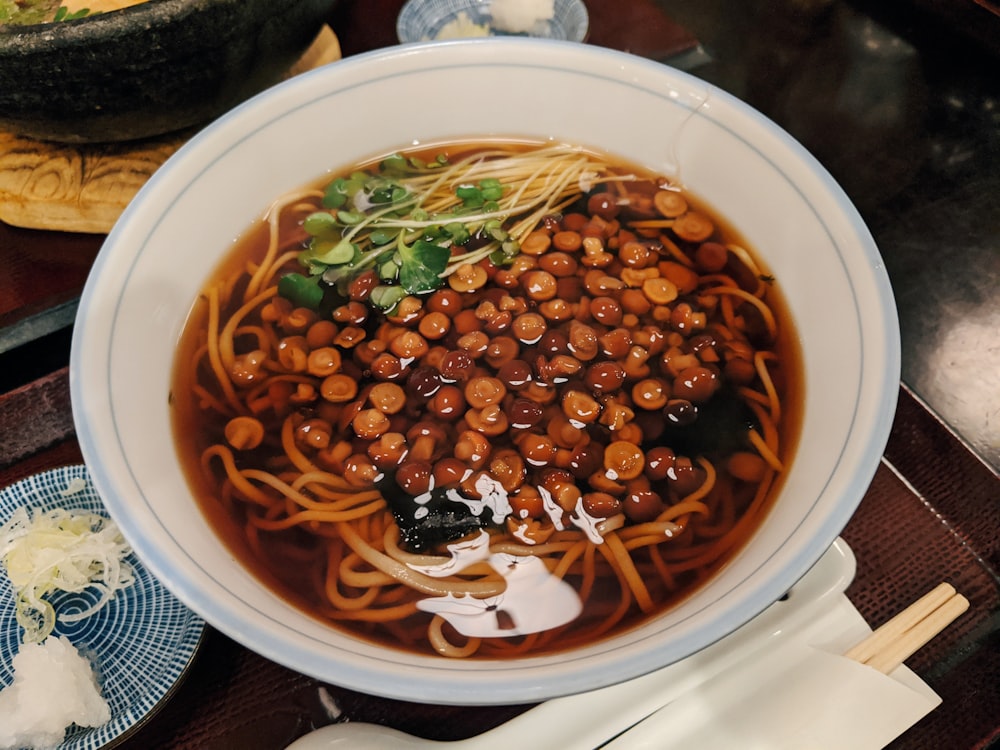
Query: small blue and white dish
{"x": 141, "y": 643}
{"x": 429, "y": 20}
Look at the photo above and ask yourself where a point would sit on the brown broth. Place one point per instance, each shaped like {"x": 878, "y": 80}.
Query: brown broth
{"x": 292, "y": 563}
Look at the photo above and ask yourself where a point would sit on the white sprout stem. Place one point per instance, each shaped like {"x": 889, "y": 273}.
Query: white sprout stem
{"x": 548, "y": 180}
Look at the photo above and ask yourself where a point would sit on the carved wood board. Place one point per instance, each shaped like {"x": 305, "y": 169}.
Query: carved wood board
{"x": 85, "y": 187}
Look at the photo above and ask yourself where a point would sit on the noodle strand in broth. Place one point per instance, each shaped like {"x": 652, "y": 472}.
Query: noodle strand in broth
{"x": 487, "y": 400}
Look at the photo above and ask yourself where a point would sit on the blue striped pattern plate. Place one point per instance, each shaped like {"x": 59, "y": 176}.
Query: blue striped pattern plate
{"x": 141, "y": 643}
{"x": 423, "y": 20}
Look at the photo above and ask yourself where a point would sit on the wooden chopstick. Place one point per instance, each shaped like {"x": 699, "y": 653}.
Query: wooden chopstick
{"x": 905, "y": 620}
{"x": 899, "y": 638}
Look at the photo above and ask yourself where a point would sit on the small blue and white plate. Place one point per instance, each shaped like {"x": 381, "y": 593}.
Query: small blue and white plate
{"x": 141, "y": 643}
{"x": 424, "y": 20}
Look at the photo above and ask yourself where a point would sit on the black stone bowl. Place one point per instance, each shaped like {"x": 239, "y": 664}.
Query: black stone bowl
{"x": 149, "y": 69}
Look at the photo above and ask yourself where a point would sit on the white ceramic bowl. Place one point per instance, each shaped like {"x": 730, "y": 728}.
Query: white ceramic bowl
{"x": 172, "y": 235}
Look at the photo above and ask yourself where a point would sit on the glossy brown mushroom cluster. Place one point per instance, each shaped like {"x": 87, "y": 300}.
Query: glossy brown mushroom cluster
{"x": 555, "y": 375}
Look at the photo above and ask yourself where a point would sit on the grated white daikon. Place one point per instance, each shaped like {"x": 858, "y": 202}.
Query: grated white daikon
{"x": 54, "y": 687}
{"x": 520, "y": 16}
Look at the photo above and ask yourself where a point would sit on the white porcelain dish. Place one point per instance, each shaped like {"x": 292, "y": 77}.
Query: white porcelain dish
{"x": 776, "y": 194}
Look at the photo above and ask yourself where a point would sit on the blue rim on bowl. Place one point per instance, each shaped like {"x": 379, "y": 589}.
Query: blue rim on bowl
{"x": 424, "y": 20}
{"x": 141, "y": 643}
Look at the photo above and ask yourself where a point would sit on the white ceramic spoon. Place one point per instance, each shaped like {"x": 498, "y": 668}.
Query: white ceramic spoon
{"x": 588, "y": 720}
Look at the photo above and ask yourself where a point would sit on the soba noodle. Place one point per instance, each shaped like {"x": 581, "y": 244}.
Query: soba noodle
{"x": 491, "y": 404}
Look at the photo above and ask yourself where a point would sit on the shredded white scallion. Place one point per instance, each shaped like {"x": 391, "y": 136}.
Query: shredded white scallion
{"x": 462, "y": 27}
{"x": 76, "y": 485}
{"x": 61, "y": 550}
